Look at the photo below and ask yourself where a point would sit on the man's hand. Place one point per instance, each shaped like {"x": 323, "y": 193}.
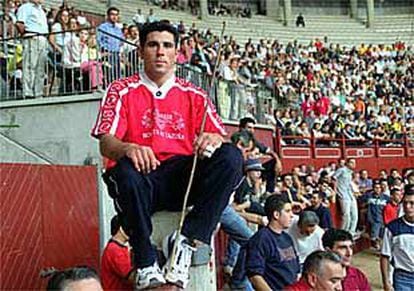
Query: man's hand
{"x": 207, "y": 143}
{"x": 142, "y": 157}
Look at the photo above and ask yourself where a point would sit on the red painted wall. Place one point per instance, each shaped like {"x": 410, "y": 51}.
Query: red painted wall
{"x": 48, "y": 218}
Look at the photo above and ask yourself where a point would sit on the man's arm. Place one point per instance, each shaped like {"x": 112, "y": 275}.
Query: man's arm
{"x": 207, "y": 140}
{"x": 20, "y": 27}
{"x": 385, "y": 270}
{"x": 142, "y": 157}
{"x": 259, "y": 283}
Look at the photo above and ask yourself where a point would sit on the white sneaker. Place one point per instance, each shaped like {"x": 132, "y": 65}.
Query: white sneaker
{"x": 177, "y": 271}
{"x": 149, "y": 277}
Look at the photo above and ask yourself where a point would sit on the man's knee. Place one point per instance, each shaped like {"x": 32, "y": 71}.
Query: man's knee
{"x": 231, "y": 157}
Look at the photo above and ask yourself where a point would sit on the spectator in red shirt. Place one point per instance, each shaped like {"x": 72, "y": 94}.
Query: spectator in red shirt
{"x": 116, "y": 268}
{"x": 390, "y": 211}
{"x": 321, "y": 271}
{"x": 341, "y": 242}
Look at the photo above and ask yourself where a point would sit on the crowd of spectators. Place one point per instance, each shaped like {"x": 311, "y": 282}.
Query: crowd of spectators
{"x": 362, "y": 93}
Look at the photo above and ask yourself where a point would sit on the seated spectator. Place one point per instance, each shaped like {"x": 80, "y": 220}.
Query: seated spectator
{"x": 151, "y": 16}
{"x": 306, "y": 234}
{"x": 300, "y": 20}
{"x": 117, "y": 271}
{"x": 375, "y": 202}
{"x": 273, "y": 166}
{"x": 291, "y": 193}
{"x": 80, "y": 278}
{"x": 364, "y": 183}
{"x": 341, "y": 242}
{"x": 323, "y": 213}
{"x": 272, "y": 262}
{"x": 321, "y": 271}
{"x": 139, "y": 19}
{"x": 90, "y": 66}
{"x": 391, "y": 209}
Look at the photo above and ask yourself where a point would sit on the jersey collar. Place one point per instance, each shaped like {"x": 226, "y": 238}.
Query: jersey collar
{"x": 158, "y": 92}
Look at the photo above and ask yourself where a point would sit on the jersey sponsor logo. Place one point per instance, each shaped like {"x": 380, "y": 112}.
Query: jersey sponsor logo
{"x": 168, "y": 125}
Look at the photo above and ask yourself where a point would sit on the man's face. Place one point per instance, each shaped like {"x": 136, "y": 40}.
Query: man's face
{"x": 396, "y": 197}
{"x": 307, "y": 230}
{"x": 364, "y": 174}
{"x": 288, "y": 181}
{"x": 286, "y": 216}
{"x": 351, "y": 164}
{"x": 250, "y": 127}
{"x": 133, "y": 32}
{"x": 113, "y": 16}
{"x": 159, "y": 54}
{"x": 89, "y": 284}
{"x": 345, "y": 250}
{"x": 331, "y": 277}
{"x": 408, "y": 204}
{"x": 377, "y": 189}
{"x": 315, "y": 200}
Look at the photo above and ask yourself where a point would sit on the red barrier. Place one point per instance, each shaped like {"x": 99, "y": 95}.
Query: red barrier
{"x": 48, "y": 218}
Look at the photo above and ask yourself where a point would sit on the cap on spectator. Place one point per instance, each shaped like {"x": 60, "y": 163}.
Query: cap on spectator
{"x": 253, "y": 165}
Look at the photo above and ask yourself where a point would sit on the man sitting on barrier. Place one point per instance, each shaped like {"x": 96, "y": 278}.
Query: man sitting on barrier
{"x": 149, "y": 127}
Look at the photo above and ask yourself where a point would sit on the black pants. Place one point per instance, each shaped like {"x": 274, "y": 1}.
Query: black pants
{"x": 137, "y": 196}
{"x": 269, "y": 175}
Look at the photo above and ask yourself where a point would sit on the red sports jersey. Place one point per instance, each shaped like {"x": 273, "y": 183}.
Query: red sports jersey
{"x": 116, "y": 267}
{"x": 166, "y": 118}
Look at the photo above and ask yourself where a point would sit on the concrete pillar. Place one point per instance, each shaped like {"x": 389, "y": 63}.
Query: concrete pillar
{"x": 370, "y": 13}
{"x": 354, "y": 8}
{"x": 273, "y": 9}
{"x": 203, "y": 9}
{"x": 287, "y": 12}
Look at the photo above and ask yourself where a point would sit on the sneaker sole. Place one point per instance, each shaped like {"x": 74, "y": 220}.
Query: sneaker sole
{"x": 177, "y": 283}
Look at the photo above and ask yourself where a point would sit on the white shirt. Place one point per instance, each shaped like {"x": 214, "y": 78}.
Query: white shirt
{"x": 33, "y": 17}
{"x": 305, "y": 245}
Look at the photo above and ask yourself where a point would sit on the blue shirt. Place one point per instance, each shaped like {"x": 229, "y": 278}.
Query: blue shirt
{"x": 376, "y": 204}
{"x": 343, "y": 177}
{"x": 33, "y": 17}
{"x": 324, "y": 215}
{"x": 106, "y": 41}
{"x": 272, "y": 256}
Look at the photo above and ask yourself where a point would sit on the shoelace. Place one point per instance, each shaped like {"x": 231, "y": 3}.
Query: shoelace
{"x": 183, "y": 258}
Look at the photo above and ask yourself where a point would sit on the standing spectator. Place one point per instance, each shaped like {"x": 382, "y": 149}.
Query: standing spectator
{"x": 375, "y": 201}
{"x": 58, "y": 35}
{"x": 392, "y": 208}
{"x": 139, "y": 19}
{"x": 149, "y": 133}
{"x": 306, "y": 234}
{"x": 272, "y": 167}
{"x": 117, "y": 272}
{"x": 398, "y": 244}
{"x": 323, "y": 213}
{"x": 300, "y": 20}
{"x": 31, "y": 21}
{"x": 321, "y": 271}
{"x": 272, "y": 262}
{"x": 110, "y": 39}
{"x": 151, "y": 16}
{"x": 349, "y": 207}
{"x": 341, "y": 242}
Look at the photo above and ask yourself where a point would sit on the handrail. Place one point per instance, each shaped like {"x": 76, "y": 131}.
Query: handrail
{"x": 342, "y": 143}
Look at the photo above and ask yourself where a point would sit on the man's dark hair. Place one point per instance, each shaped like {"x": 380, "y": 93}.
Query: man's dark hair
{"x": 110, "y": 9}
{"x": 408, "y": 190}
{"x": 61, "y": 279}
{"x": 245, "y": 120}
{"x": 160, "y": 26}
{"x": 274, "y": 203}
{"x": 314, "y": 262}
{"x": 242, "y": 136}
{"x": 333, "y": 235}
{"x": 115, "y": 224}
{"x": 394, "y": 190}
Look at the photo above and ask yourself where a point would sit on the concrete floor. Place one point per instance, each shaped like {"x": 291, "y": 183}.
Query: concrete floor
{"x": 368, "y": 262}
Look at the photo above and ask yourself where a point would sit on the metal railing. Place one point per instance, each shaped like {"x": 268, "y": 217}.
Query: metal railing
{"x": 31, "y": 68}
